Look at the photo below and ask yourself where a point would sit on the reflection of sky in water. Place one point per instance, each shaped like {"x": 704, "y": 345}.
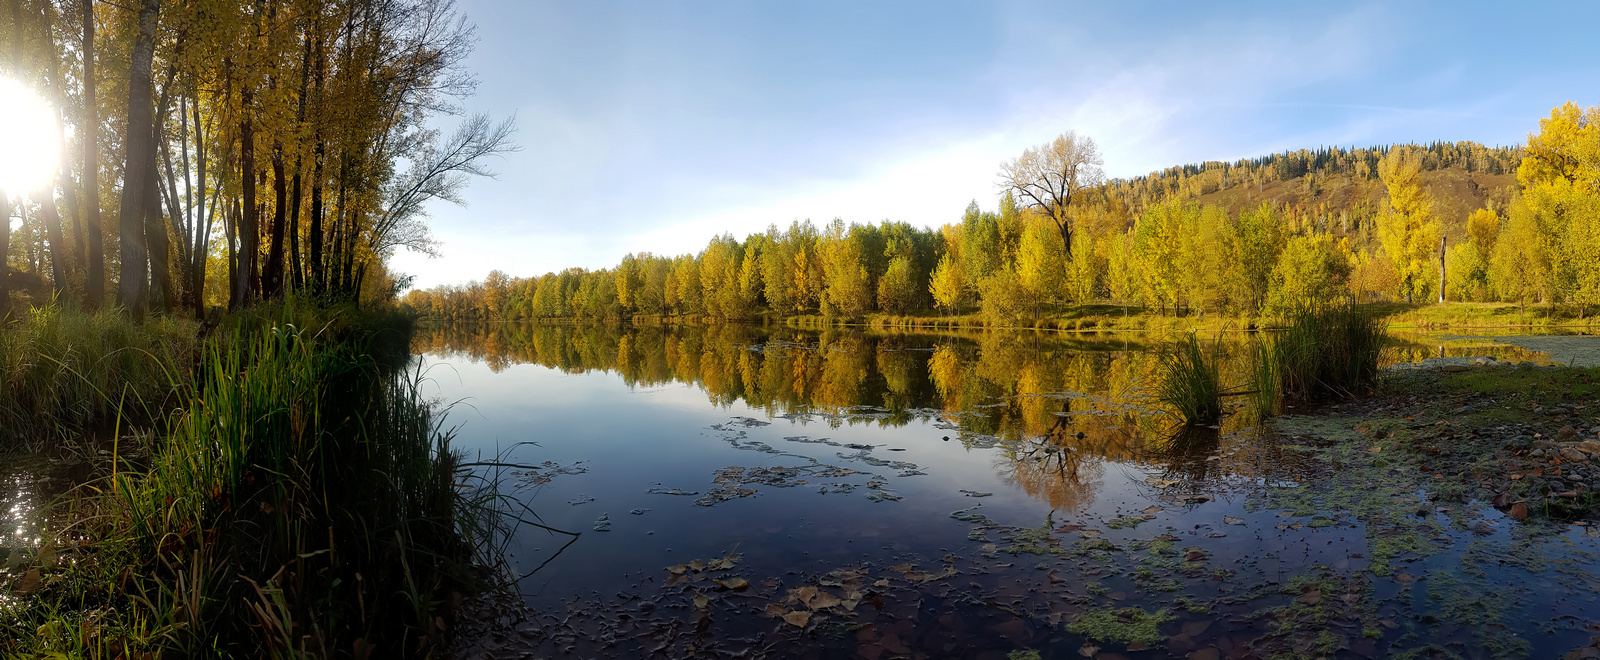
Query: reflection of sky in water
{"x": 1027, "y": 429}
{"x": 21, "y": 500}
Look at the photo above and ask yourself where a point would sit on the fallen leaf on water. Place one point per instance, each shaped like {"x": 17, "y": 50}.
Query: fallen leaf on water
{"x": 804, "y": 594}
{"x": 798, "y": 618}
{"x": 851, "y": 600}
{"x": 1519, "y": 511}
{"x": 1088, "y": 651}
{"x": 698, "y": 565}
{"x": 1152, "y": 509}
{"x": 823, "y": 601}
{"x": 1310, "y": 597}
{"x": 734, "y": 583}
{"x": 700, "y": 601}
{"x": 881, "y": 583}
{"x": 677, "y": 570}
{"x": 1230, "y": 520}
{"x": 774, "y": 609}
{"x": 903, "y": 568}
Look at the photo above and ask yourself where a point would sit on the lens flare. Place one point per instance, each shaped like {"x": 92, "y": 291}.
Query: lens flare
{"x": 30, "y": 144}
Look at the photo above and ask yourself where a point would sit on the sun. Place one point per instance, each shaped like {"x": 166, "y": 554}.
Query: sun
{"x": 30, "y": 145}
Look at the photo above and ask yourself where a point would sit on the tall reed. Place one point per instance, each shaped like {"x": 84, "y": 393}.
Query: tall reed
{"x": 1326, "y": 350}
{"x": 304, "y": 502}
{"x": 1191, "y": 381}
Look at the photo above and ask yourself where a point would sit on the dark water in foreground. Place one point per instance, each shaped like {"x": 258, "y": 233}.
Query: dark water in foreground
{"x": 885, "y": 496}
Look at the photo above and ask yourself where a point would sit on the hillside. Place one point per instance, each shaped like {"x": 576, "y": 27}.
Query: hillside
{"x": 1335, "y": 189}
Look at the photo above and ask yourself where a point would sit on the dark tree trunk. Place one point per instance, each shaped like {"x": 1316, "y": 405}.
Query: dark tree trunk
{"x": 246, "y": 279}
{"x": 316, "y": 270}
{"x": 274, "y": 274}
{"x": 296, "y": 278}
{"x": 58, "y": 247}
{"x": 156, "y": 239}
{"x": 137, "y": 164}
{"x": 94, "y": 285}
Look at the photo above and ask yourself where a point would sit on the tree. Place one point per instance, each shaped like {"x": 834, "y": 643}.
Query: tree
{"x": 1519, "y": 267}
{"x": 897, "y": 289}
{"x": 849, "y": 290}
{"x": 1310, "y": 271}
{"x": 1408, "y": 231}
{"x": 1050, "y": 177}
{"x": 1040, "y": 266}
{"x": 948, "y": 285}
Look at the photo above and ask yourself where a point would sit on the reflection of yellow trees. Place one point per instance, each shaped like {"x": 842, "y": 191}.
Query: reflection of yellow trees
{"x": 1058, "y": 406}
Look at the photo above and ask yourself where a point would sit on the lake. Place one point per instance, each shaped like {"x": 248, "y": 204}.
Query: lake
{"x": 758, "y": 492}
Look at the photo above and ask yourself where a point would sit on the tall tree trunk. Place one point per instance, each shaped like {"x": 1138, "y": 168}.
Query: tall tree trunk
{"x": 138, "y": 163}
{"x": 246, "y": 279}
{"x": 296, "y": 279}
{"x": 200, "y": 229}
{"x": 155, "y": 227}
{"x": 274, "y": 275}
{"x": 58, "y": 247}
{"x": 231, "y": 232}
{"x": 94, "y": 284}
{"x": 57, "y": 91}
{"x": 316, "y": 270}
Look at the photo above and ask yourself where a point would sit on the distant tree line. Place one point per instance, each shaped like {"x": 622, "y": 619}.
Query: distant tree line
{"x": 1153, "y": 242}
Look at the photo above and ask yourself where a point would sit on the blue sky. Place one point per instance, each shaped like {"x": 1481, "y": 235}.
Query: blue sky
{"x": 650, "y": 126}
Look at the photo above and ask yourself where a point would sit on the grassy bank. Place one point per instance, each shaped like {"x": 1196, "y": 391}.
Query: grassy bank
{"x": 66, "y": 373}
{"x": 297, "y": 497}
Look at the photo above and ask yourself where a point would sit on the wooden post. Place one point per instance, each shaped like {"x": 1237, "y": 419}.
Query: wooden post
{"x": 1441, "y": 268}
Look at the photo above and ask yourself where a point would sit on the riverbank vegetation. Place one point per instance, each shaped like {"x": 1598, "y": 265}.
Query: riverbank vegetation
{"x": 1249, "y": 240}
{"x": 218, "y": 368}
{"x": 301, "y": 499}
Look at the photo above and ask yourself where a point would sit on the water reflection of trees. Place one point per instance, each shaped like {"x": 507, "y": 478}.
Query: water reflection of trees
{"x": 1057, "y": 407}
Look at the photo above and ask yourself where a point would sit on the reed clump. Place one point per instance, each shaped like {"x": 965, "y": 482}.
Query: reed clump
{"x": 1191, "y": 381}
{"x": 1329, "y": 350}
{"x": 303, "y": 502}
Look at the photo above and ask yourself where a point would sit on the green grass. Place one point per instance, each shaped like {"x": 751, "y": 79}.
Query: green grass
{"x": 1191, "y": 381}
{"x": 1539, "y": 386}
{"x": 66, "y": 372}
{"x": 302, "y": 500}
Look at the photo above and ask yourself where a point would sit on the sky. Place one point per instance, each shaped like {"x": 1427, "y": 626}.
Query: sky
{"x": 651, "y": 127}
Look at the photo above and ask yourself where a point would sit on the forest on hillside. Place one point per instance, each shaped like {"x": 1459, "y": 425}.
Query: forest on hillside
{"x": 1253, "y": 237}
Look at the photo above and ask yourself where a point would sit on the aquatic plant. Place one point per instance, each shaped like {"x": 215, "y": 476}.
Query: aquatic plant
{"x": 1265, "y": 388}
{"x": 1125, "y": 626}
{"x": 1190, "y": 381}
{"x": 1325, "y": 350}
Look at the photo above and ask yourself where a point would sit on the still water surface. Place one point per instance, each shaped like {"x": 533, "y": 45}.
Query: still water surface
{"x": 882, "y": 495}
